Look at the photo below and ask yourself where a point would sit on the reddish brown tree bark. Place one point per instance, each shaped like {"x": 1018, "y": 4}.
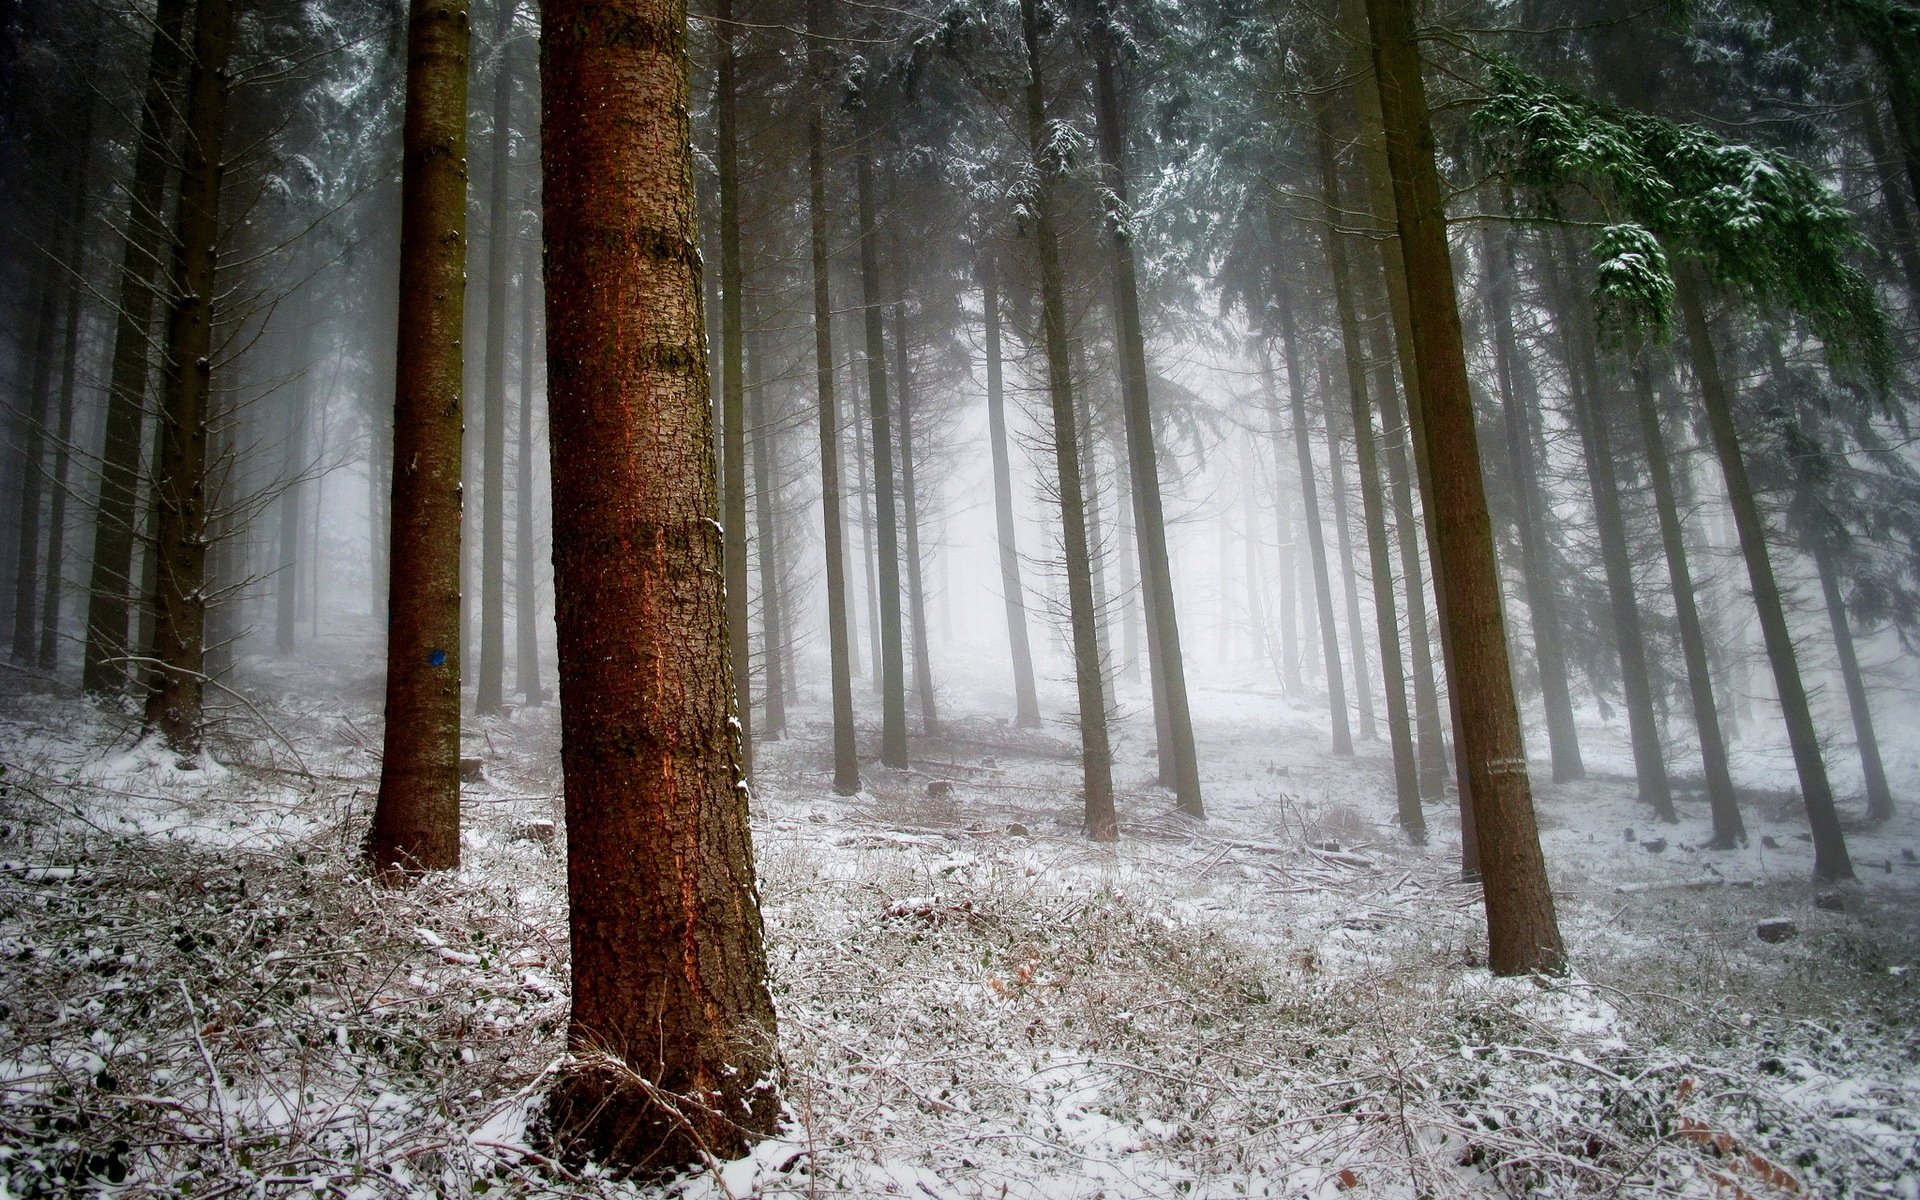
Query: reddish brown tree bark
{"x": 672, "y": 1028}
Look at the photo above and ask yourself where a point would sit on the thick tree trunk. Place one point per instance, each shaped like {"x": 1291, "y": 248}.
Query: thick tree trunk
{"x": 1518, "y": 393}
{"x": 1143, "y": 464}
{"x": 1316, "y": 537}
{"x": 1406, "y": 781}
{"x": 111, "y": 587}
{"x": 416, "y": 823}
{"x": 1026, "y": 703}
{"x": 846, "y": 760}
{"x": 893, "y": 673}
{"x": 1830, "y": 858}
{"x": 181, "y": 489}
{"x": 733, "y": 405}
{"x": 910, "y": 512}
{"x": 1728, "y": 828}
{"x": 526, "y": 561}
{"x": 1096, "y": 762}
{"x": 1522, "y": 933}
{"x": 491, "y": 687}
{"x": 672, "y": 1031}
{"x": 1594, "y": 421}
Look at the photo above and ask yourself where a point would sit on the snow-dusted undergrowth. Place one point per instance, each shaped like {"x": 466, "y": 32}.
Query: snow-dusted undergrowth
{"x": 201, "y": 994}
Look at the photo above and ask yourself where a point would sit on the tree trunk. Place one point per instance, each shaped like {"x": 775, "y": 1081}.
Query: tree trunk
{"x": 1096, "y": 762}
{"x": 1026, "y": 703}
{"x": 1149, "y": 522}
{"x": 1316, "y": 537}
{"x": 910, "y": 506}
{"x": 1518, "y": 394}
{"x": 1595, "y": 425}
{"x": 1343, "y": 543}
{"x": 26, "y": 577}
{"x": 868, "y": 552}
{"x": 1728, "y": 828}
{"x": 773, "y": 699}
{"x": 893, "y": 674}
{"x": 110, "y": 587}
{"x": 1284, "y": 531}
{"x": 846, "y": 759}
{"x": 181, "y": 489}
{"x": 1830, "y": 858}
{"x": 1894, "y": 200}
{"x": 526, "y": 591}
{"x": 293, "y": 470}
{"x": 1406, "y": 781}
{"x": 1873, "y": 771}
{"x": 733, "y": 406}
{"x": 54, "y": 564}
{"x": 416, "y": 822}
{"x": 672, "y": 1031}
{"x": 1522, "y": 934}
{"x": 490, "y": 688}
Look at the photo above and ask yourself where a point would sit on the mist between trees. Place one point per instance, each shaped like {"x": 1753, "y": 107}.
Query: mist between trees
{"x": 880, "y": 386}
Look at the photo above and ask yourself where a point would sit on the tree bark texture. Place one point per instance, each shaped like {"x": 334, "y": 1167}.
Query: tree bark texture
{"x": 1096, "y": 762}
{"x": 416, "y": 822}
{"x": 672, "y": 1030}
{"x": 1522, "y": 933}
{"x": 181, "y": 496}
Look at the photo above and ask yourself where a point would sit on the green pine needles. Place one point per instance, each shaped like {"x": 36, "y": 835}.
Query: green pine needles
{"x": 1759, "y": 221}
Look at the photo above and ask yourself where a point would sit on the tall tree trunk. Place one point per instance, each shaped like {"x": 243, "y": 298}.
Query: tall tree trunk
{"x": 416, "y": 821}
{"x": 846, "y": 760}
{"x": 299, "y": 399}
{"x": 1406, "y": 781}
{"x": 773, "y": 698}
{"x": 1096, "y": 762}
{"x": 1316, "y": 537}
{"x": 526, "y": 591}
{"x": 1149, "y": 522}
{"x": 1728, "y": 828}
{"x": 26, "y": 576}
{"x": 733, "y": 405}
{"x": 491, "y": 687}
{"x": 1522, "y": 933}
{"x": 1284, "y": 530}
{"x": 1127, "y": 552}
{"x": 893, "y": 673}
{"x": 1873, "y": 771}
{"x": 910, "y": 512}
{"x": 110, "y": 585}
{"x": 1830, "y": 857}
{"x": 1898, "y": 206}
{"x": 54, "y": 565}
{"x": 1026, "y": 703}
{"x": 1518, "y": 392}
{"x": 181, "y": 489}
{"x": 672, "y": 1029}
{"x": 1343, "y": 543}
{"x": 1594, "y": 422}
{"x": 868, "y": 552}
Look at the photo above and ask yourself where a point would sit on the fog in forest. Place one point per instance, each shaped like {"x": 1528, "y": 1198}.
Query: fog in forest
{"x": 1363, "y": 488}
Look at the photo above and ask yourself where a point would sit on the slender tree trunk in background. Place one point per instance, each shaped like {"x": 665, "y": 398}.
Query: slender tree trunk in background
{"x": 868, "y": 552}
{"x": 181, "y": 489}
{"x": 53, "y": 565}
{"x": 1522, "y": 933}
{"x": 1143, "y": 463}
{"x": 910, "y": 511}
{"x": 1830, "y": 857}
{"x": 1126, "y": 554}
{"x": 110, "y": 586}
{"x": 1343, "y": 542}
{"x": 893, "y": 672}
{"x": 1898, "y": 206}
{"x": 1595, "y": 425}
{"x": 733, "y": 405}
{"x": 773, "y": 698}
{"x": 672, "y": 1037}
{"x": 1026, "y": 703}
{"x": 1316, "y": 537}
{"x": 526, "y": 590}
{"x": 491, "y": 686}
{"x": 846, "y": 759}
{"x": 1728, "y": 828}
{"x": 1406, "y": 780}
{"x": 293, "y": 469}
{"x": 1284, "y": 527}
{"x": 416, "y": 822}
{"x": 26, "y": 577}
{"x": 1250, "y": 538}
{"x": 1873, "y": 771}
{"x": 1518, "y": 395}
{"x": 1096, "y": 762}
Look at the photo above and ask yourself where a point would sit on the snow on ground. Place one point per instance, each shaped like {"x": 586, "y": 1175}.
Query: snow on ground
{"x": 200, "y": 993}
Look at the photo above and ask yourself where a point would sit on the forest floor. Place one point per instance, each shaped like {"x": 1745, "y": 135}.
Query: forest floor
{"x": 200, "y": 992}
